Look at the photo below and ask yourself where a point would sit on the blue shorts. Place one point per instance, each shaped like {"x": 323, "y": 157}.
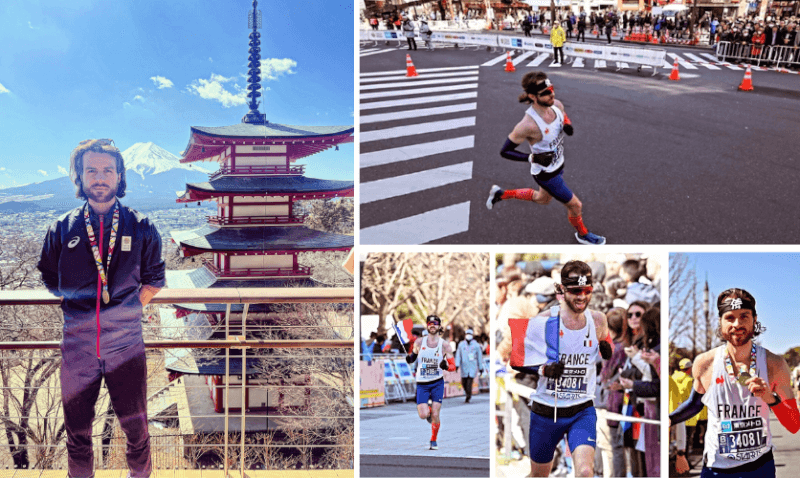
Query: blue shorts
{"x": 581, "y": 429}
{"x": 433, "y": 390}
{"x": 554, "y": 184}
{"x": 752, "y": 470}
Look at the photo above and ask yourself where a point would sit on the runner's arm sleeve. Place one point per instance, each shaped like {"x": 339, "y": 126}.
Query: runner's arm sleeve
{"x": 509, "y": 151}
{"x": 568, "y": 129}
{"x": 687, "y": 409}
{"x": 411, "y": 358}
{"x": 788, "y": 415}
{"x": 606, "y": 347}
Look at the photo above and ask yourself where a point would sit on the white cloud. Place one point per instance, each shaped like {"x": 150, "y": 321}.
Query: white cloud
{"x": 3, "y": 89}
{"x": 139, "y": 98}
{"x": 126, "y": 105}
{"x": 161, "y": 82}
{"x": 214, "y": 89}
{"x": 2, "y": 168}
{"x": 209, "y": 59}
{"x": 272, "y": 68}
{"x": 42, "y": 172}
{"x": 30, "y": 25}
{"x": 62, "y": 170}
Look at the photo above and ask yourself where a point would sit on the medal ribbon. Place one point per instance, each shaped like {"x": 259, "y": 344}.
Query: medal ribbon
{"x": 729, "y": 365}
{"x": 98, "y": 259}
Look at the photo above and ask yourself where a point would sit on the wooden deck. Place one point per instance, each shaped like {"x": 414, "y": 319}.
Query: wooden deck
{"x": 187, "y": 474}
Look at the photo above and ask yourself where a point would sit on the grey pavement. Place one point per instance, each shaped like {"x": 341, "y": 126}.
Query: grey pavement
{"x": 394, "y": 437}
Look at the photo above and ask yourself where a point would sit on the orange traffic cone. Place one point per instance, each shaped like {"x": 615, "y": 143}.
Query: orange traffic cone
{"x": 410, "y": 70}
{"x": 747, "y": 82}
{"x": 509, "y": 65}
{"x": 674, "y": 75}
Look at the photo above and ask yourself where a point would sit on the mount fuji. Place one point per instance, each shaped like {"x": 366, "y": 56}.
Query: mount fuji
{"x": 154, "y": 179}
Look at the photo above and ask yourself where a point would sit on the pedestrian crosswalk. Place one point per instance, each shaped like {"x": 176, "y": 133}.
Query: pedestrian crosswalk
{"x": 398, "y": 118}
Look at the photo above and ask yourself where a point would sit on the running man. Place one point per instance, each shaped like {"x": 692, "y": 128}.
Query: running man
{"x": 739, "y": 382}
{"x": 435, "y": 356}
{"x": 543, "y": 126}
{"x": 580, "y": 335}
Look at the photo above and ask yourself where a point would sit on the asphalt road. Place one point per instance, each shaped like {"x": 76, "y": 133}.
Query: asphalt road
{"x": 654, "y": 161}
{"x": 394, "y": 441}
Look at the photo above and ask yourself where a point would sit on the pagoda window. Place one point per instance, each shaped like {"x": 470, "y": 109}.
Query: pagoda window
{"x": 258, "y": 211}
{"x": 260, "y": 261}
{"x": 244, "y": 161}
{"x": 261, "y": 148}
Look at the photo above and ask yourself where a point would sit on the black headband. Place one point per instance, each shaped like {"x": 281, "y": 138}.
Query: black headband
{"x": 736, "y": 303}
{"x": 582, "y": 280}
{"x": 537, "y": 88}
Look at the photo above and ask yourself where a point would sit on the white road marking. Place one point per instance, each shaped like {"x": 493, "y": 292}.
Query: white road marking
{"x": 538, "y": 60}
{"x": 403, "y": 84}
{"x": 421, "y": 70}
{"x": 414, "y": 182}
{"x": 578, "y": 63}
{"x": 417, "y": 91}
{"x": 416, "y": 78}
{"x": 417, "y": 101}
{"x": 701, "y": 61}
{"x": 599, "y": 63}
{"x": 421, "y": 228}
{"x": 415, "y": 151}
{"x": 516, "y": 61}
{"x": 414, "y": 129}
{"x": 378, "y": 52}
{"x": 418, "y": 113}
{"x": 683, "y": 63}
{"x": 498, "y": 59}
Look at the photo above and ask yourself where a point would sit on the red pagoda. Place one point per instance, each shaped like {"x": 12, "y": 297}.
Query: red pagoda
{"x": 257, "y": 234}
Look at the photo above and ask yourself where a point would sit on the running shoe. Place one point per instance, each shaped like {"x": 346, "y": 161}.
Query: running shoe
{"x": 495, "y": 195}
{"x": 591, "y": 239}
{"x": 430, "y": 411}
{"x": 434, "y": 445}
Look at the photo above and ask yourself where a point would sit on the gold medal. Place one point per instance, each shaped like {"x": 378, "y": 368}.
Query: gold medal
{"x": 743, "y": 378}
{"x": 106, "y": 298}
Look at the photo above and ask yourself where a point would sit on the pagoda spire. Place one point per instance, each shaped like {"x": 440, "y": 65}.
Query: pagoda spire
{"x": 254, "y": 65}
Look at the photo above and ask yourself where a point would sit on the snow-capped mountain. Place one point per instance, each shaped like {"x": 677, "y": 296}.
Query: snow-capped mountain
{"x": 149, "y": 158}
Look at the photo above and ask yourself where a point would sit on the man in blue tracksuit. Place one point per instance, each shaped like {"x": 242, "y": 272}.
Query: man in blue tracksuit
{"x": 104, "y": 261}
{"x": 469, "y": 361}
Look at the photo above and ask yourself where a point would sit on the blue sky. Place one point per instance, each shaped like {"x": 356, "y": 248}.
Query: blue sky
{"x": 138, "y": 71}
{"x": 771, "y": 278}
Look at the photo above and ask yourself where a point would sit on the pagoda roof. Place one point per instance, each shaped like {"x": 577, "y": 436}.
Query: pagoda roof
{"x": 267, "y": 185}
{"x": 272, "y": 131}
{"x": 202, "y": 278}
{"x": 209, "y": 142}
{"x": 210, "y": 238}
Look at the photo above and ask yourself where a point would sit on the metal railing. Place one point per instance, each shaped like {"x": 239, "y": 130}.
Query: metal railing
{"x": 779, "y": 56}
{"x": 178, "y": 447}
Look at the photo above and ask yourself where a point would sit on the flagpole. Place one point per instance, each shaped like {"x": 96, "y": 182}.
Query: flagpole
{"x": 399, "y": 339}
{"x": 558, "y": 350}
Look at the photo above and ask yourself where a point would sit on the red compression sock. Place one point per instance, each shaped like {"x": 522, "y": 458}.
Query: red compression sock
{"x": 577, "y": 223}
{"x": 522, "y": 194}
{"x": 434, "y": 430}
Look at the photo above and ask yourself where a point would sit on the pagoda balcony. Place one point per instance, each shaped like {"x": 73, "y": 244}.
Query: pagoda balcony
{"x": 252, "y": 220}
{"x": 258, "y": 170}
{"x": 302, "y": 271}
{"x": 190, "y": 439}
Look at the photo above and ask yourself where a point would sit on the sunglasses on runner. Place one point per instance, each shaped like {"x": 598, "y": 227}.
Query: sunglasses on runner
{"x": 547, "y": 92}
{"x": 634, "y": 314}
{"x": 580, "y": 290}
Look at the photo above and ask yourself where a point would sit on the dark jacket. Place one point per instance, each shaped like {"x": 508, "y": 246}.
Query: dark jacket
{"x": 69, "y": 270}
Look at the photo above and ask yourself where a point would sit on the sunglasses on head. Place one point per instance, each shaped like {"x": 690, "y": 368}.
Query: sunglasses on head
{"x": 104, "y": 142}
{"x": 580, "y": 290}
{"x": 634, "y": 314}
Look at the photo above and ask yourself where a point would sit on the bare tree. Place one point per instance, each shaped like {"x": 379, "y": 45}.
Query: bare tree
{"x": 682, "y": 301}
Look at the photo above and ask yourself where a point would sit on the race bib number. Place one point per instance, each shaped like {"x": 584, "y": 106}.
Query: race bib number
{"x": 430, "y": 371}
{"x": 572, "y": 383}
{"x": 742, "y": 439}
{"x": 557, "y": 146}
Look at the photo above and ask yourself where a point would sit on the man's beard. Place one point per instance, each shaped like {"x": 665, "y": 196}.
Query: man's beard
{"x": 101, "y": 195}
{"x": 574, "y": 308}
{"x": 736, "y": 340}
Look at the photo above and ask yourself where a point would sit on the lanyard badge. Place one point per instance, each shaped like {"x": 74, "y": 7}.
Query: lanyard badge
{"x": 98, "y": 259}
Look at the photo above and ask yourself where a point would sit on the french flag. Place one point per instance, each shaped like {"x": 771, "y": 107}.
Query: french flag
{"x": 534, "y": 341}
{"x": 403, "y": 330}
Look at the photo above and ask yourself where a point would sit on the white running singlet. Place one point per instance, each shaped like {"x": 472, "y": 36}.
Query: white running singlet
{"x": 579, "y": 351}
{"x": 428, "y": 361}
{"x": 552, "y": 140}
{"x": 738, "y": 422}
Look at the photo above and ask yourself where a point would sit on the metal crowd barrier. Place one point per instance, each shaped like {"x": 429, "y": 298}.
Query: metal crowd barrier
{"x": 780, "y": 56}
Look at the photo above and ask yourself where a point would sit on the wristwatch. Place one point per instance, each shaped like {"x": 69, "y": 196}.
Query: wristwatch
{"x": 777, "y": 400}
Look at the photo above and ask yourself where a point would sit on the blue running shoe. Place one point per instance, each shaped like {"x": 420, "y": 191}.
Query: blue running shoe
{"x": 591, "y": 239}
{"x": 434, "y": 445}
{"x": 494, "y": 196}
